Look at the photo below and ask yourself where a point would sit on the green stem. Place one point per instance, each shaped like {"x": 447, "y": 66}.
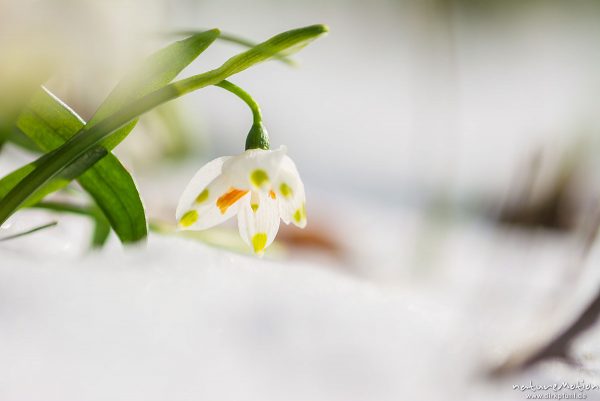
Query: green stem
{"x": 245, "y": 96}
{"x": 257, "y": 138}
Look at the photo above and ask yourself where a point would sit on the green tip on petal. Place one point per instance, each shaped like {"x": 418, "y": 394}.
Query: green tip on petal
{"x": 189, "y": 218}
{"x": 259, "y": 242}
{"x": 300, "y": 214}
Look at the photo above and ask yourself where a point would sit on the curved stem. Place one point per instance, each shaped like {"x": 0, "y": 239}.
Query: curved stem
{"x": 245, "y": 96}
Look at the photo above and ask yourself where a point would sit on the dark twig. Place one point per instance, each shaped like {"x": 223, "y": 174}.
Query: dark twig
{"x": 559, "y": 347}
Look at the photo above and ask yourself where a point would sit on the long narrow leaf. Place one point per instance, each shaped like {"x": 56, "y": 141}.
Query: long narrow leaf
{"x": 8, "y": 182}
{"x": 155, "y": 72}
{"x": 50, "y": 123}
{"x": 238, "y": 40}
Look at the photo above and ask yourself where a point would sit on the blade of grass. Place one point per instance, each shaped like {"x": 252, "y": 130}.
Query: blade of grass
{"x": 31, "y": 231}
{"x": 94, "y": 136}
{"x": 49, "y": 123}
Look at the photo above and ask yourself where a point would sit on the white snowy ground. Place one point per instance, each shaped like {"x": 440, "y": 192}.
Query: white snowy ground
{"x": 179, "y": 320}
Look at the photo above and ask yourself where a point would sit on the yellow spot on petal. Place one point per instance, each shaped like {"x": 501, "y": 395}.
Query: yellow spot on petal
{"x": 189, "y": 218}
{"x": 286, "y": 190}
{"x": 298, "y": 215}
{"x": 259, "y": 241}
{"x": 272, "y": 194}
{"x": 229, "y": 198}
{"x": 202, "y": 197}
{"x": 254, "y": 207}
{"x": 259, "y": 177}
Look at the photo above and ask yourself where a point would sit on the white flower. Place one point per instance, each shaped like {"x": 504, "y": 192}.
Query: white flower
{"x": 260, "y": 186}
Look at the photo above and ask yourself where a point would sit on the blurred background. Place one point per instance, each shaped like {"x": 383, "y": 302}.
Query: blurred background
{"x": 449, "y": 150}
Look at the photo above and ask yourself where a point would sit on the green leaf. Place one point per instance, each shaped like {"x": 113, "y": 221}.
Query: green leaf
{"x": 50, "y": 123}
{"x": 90, "y": 137}
{"x": 101, "y": 231}
{"x": 8, "y": 182}
{"x": 18, "y": 138}
{"x": 155, "y": 72}
{"x": 238, "y": 40}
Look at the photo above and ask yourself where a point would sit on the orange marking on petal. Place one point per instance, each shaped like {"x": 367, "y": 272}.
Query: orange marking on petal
{"x": 272, "y": 194}
{"x": 229, "y": 198}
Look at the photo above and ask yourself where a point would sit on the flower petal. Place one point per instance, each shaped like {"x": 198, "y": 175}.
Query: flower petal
{"x": 255, "y": 168}
{"x": 258, "y": 221}
{"x": 290, "y": 191}
{"x": 214, "y": 204}
{"x": 198, "y": 184}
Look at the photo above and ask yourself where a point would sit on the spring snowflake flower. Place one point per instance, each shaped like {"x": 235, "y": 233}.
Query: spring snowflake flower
{"x": 259, "y": 186}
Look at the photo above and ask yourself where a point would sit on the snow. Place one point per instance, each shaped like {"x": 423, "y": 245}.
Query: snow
{"x": 186, "y": 321}
{"x": 176, "y": 319}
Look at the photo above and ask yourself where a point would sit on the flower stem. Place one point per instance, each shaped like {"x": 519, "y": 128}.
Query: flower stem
{"x": 257, "y": 138}
{"x": 245, "y": 96}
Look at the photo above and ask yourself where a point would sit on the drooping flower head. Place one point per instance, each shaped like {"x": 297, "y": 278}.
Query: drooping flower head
{"x": 259, "y": 186}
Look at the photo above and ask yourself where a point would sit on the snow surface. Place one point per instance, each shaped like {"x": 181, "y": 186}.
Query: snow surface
{"x": 189, "y": 322}
{"x": 179, "y": 320}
